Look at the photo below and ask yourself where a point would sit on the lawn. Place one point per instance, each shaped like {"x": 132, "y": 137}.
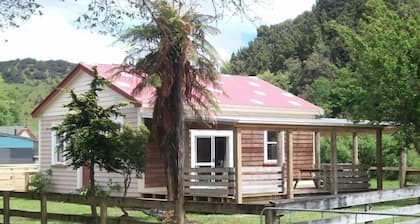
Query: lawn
{"x": 67, "y": 208}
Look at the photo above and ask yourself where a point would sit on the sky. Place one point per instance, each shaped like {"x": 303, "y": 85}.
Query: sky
{"x": 54, "y": 35}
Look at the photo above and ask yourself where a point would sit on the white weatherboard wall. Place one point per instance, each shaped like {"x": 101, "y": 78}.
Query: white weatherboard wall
{"x": 65, "y": 178}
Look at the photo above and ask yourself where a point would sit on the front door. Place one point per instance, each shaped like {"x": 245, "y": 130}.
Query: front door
{"x": 211, "y": 148}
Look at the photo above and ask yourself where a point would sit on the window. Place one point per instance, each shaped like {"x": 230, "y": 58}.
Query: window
{"x": 270, "y": 146}
{"x": 57, "y": 156}
{"x": 211, "y": 148}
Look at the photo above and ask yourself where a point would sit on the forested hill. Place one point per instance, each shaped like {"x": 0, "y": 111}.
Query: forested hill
{"x": 23, "y": 84}
{"x": 306, "y": 55}
{"x": 31, "y": 71}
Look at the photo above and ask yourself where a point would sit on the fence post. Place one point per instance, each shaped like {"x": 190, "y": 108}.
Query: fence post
{"x": 6, "y": 207}
{"x": 368, "y": 208}
{"x": 103, "y": 211}
{"x": 270, "y": 217}
{"x": 44, "y": 212}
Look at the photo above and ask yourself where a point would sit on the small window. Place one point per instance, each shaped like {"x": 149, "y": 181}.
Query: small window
{"x": 56, "y": 151}
{"x": 270, "y": 146}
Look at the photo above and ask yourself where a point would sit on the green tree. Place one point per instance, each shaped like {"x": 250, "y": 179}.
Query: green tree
{"x": 88, "y": 134}
{"x": 15, "y": 11}
{"x": 385, "y": 52}
{"x": 9, "y": 108}
{"x": 132, "y": 153}
{"x": 280, "y": 80}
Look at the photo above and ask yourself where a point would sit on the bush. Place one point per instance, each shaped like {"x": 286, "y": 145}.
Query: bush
{"x": 85, "y": 191}
{"x": 40, "y": 182}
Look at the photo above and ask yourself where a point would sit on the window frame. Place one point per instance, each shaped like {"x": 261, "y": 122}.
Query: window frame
{"x": 194, "y": 134}
{"x": 54, "y": 151}
{"x": 266, "y": 143}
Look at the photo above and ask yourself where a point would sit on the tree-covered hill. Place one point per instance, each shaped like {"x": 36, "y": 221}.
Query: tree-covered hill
{"x": 306, "y": 54}
{"x": 23, "y": 84}
{"x": 33, "y": 72}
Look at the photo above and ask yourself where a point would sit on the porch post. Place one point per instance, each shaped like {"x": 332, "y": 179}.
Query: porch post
{"x": 280, "y": 146}
{"x": 379, "y": 159}
{"x": 290, "y": 190}
{"x": 334, "y": 187}
{"x": 317, "y": 149}
{"x": 355, "y": 149}
{"x": 238, "y": 165}
{"x": 403, "y": 167}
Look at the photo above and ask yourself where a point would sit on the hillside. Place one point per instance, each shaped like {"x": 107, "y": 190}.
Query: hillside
{"x": 25, "y": 83}
{"x": 306, "y": 55}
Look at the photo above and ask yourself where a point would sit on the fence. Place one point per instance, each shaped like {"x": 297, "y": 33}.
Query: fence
{"x": 15, "y": 177}
{"x": 211, "y": 182}
{"x": 349, "y": 177}
{"x": 106, "y": 202}
{"x": 347, "y": 217}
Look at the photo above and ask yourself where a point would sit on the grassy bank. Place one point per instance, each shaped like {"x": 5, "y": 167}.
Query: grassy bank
{"x": 66, "y": 208}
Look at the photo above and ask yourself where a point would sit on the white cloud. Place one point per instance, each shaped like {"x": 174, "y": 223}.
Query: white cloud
{"x": 53, "y": 35}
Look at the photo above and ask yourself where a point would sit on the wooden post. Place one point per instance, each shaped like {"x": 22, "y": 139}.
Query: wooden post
{"x": 379, "y": 159}
{"x": 238, "y": 165}
{"x": 103, "y": 211}
{"x": 403, "y": 167}
{"x": 334, "y": 187}
{"x": 368, "y": 208}
{"x": 6, "y": 207}
{"x": 270, "y": 217}
{"x": 280, "y": 153}
{"x": 44, "y": 211}
{"x": 280, "y": 146}
{"x": 290, "y": 190}
{"x": 317, "y": 149}
{"x": 355, "y": 149}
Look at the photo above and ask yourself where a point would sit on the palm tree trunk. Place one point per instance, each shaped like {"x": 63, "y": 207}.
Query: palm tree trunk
{"x": 179, "y": 136}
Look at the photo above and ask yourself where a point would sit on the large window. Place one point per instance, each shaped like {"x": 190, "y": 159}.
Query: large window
{"x": 271, "y": 139}
{"x": 57, "y": 156}
{"x": 211, "y": 148}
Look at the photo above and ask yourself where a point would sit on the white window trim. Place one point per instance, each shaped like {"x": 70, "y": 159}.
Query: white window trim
{"x": 273, "y": 161}
{"x": 53, "y": 149}
{"x": 210, "y": 133}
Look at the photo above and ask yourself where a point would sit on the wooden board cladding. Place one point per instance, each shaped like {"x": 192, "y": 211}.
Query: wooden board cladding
{"x": 155, "y": 168}
{"x": 253, "y": 149}
{"x": 303, "y": 153}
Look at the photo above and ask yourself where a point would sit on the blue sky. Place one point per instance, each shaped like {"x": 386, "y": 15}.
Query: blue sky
{"x": 54, "y": 36}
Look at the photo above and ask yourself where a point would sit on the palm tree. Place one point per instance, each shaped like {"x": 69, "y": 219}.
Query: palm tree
{"x": 176, "y": 52}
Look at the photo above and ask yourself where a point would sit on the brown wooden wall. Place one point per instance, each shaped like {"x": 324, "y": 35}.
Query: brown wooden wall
{"x": 155, "y": 167}
{"x": 303, "y": 153}
{"x": 252, "y": 155}
{"x": 253, "y": 149}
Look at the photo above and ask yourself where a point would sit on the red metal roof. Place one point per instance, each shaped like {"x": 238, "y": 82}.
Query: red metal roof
{"x": 236, "y": 90}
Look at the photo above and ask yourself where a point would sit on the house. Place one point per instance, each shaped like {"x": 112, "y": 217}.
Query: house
{"x": 262, "y": 139}
{"x": 21, "y": 131}
{"x": 17, "y": 145}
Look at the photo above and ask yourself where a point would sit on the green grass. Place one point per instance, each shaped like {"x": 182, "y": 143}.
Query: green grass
{"x": 67, "y": 208}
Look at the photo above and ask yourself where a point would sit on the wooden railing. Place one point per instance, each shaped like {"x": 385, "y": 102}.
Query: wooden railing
{"x": 16, "y": 176}
{"x": 262, "y": 180}
{"x": 105, "y": 203}
{"x": 209, "y": 182}
{"x": 349, "y": 177}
